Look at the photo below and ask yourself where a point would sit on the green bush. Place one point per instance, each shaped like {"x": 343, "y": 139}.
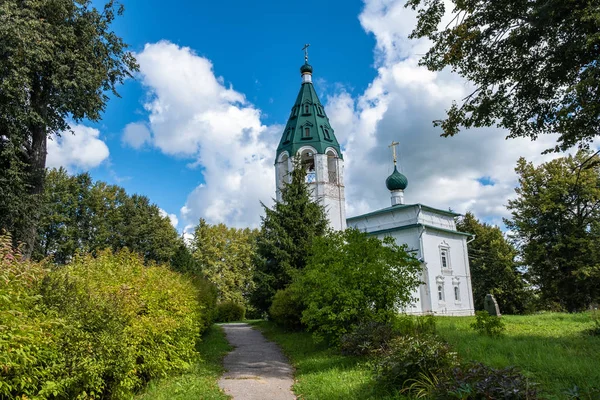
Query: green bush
{"x": 352, "y": 277}
{"x": 408, "y": 356}
{"x": 487, "y": 324}
{"x": 97, "y": 328}
{"x": 29, "y": 351}
{"x": 286, "y": 309}
{"x": 474, "y": 381}
{"x": 368, "y": 338}
{"x": 230, "y": 311}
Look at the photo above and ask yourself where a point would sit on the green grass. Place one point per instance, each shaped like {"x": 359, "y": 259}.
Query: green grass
{"x": 200, "y": 382}
{"x": 321, "y": 372}
{"x": 552, "y": 349}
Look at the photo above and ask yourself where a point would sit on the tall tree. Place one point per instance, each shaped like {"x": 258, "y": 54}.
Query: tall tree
{"x": 225, "y": 257}
{"x": 493, "y": 267}
{"x": 534, "y": 64}
{"x": 556, "y": 219}
{"x": 58, "y": 62}
{"x": 286, "y": 237}
{"x": 81, "y": 215}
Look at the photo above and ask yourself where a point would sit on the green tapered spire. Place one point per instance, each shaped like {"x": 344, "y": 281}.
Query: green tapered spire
{"x": 307, "y": 113}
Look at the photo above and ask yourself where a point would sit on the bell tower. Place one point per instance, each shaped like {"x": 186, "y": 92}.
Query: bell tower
{"x": 309, "y": 136}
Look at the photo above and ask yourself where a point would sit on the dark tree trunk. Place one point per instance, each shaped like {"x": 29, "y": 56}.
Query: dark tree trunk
{"x": 37, "y": 160}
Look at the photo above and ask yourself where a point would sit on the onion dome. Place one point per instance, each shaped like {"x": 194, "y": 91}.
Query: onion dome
{"x": 396, "y": 181}
{"x": 306, "y": 68}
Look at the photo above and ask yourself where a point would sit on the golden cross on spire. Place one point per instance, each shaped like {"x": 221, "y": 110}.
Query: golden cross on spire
{"x": 393, "y": 146}
{"x": 305, "y": 48}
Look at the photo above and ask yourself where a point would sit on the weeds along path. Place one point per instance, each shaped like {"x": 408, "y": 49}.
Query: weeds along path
{"x": 256, "y": 368}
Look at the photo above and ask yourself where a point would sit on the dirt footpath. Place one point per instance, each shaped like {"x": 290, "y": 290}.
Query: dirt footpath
{"x": 256, "y": 368}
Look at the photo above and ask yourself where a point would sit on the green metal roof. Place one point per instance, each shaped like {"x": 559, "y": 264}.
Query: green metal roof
{"x": 404, "y": 206}
{"x": 308, "y": 113}
{"x": 433, "y": 228}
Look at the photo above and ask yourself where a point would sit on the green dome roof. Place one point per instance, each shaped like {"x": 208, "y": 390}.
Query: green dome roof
{"x": 306, "y": 68}
{"x": 396, "y": 181}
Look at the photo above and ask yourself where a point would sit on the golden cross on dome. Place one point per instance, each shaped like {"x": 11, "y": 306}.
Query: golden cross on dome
{"x": 305, "y": 48}
{"x": 393, "y": 146}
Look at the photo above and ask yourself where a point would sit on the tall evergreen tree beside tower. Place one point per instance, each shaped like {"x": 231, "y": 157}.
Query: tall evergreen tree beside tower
{"x": 286, "y": 237}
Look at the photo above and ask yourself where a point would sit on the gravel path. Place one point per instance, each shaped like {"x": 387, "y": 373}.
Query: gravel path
{"x": 256, "y": 368}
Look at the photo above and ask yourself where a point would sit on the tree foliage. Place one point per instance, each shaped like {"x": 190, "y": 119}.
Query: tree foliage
{"x": 79, "y": 215}
{"x": 352, "y": 277}
{"x": 224, "y": 256}
{"x": 492, "y": 261}
{"x": 556, "y": 220}
{"x": 534, "y": 65}
{"x": 286, "y": 237}
{"x": 59, "y": 61}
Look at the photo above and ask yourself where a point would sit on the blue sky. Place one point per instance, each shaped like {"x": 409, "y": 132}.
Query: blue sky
{"x": 197, "y": 129}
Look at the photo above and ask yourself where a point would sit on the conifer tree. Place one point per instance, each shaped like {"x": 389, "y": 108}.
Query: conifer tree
{"x": 286, "y": 237}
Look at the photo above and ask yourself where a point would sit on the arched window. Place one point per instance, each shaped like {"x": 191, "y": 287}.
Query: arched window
{"x": 308, "y": 162}
{"x": 440, "y": 293}
{"x": 332, "y": 167}
{"x": 306, "y": 109}
{"x": 456, "y": 294}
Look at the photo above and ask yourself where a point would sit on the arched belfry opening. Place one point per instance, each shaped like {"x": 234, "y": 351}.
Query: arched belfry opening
{"x": 332, "y": 167}
{"x": 309, "y": 136}
{"x": 307, "y": 158}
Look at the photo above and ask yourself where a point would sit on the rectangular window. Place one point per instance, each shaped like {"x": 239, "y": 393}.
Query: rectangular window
{"x": 288, "y": 135}
{"x": 445, "y": 261}
{"x": 326, "y": 134}
{"x": 440, "y": 293}
{"x": 306, "y": 109}
{"x": 456, "y": 294}
{"x": 306, "y": 132}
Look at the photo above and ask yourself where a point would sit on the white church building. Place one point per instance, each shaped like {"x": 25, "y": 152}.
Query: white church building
{"x": 428, "y": 232}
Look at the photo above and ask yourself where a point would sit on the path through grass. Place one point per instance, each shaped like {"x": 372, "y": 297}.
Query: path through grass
{"x": 200, "y": 382}
{"x": 553, "y": 349}
{"x": 321, "y": 372}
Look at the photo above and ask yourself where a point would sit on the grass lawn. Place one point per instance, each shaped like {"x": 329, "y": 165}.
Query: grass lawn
{"x": 200, "y": 382}
{"x": 322, "y": 373}
{"x": 553, "y": 349}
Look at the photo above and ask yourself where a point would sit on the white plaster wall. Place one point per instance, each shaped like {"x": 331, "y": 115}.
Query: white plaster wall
{"x": 426, "y": 242}
{"x": 442, "y": 221}
{"x": 458, "y": 272}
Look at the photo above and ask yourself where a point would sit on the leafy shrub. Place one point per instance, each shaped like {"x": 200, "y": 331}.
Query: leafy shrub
{"x": 97, "y": 328}
{"x": 409, "y": 356}
{"x": 352, "y": 277}
{"x": 126, "y": 322}
{"x": 474, "y": 381}
{"x": 487, "y": 324}
{"x": 287, "y": 307}
{"x": 29, "y": 352}
{"x": 230, "y": 311}
{"x": 368, "y": 338}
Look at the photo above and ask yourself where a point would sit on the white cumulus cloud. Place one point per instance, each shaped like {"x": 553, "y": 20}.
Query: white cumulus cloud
{"x": 77, "y": 150}
{"x": 194, "y": 114}
{"x": 400, "y": 105}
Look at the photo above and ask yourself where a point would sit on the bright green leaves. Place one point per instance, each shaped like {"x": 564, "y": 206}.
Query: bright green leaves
{"x": 351, "y": 277}
{"x": 225, "y": 256}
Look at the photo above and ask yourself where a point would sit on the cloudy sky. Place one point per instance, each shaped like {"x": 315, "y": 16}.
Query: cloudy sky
{"x": 196, "y": 131}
